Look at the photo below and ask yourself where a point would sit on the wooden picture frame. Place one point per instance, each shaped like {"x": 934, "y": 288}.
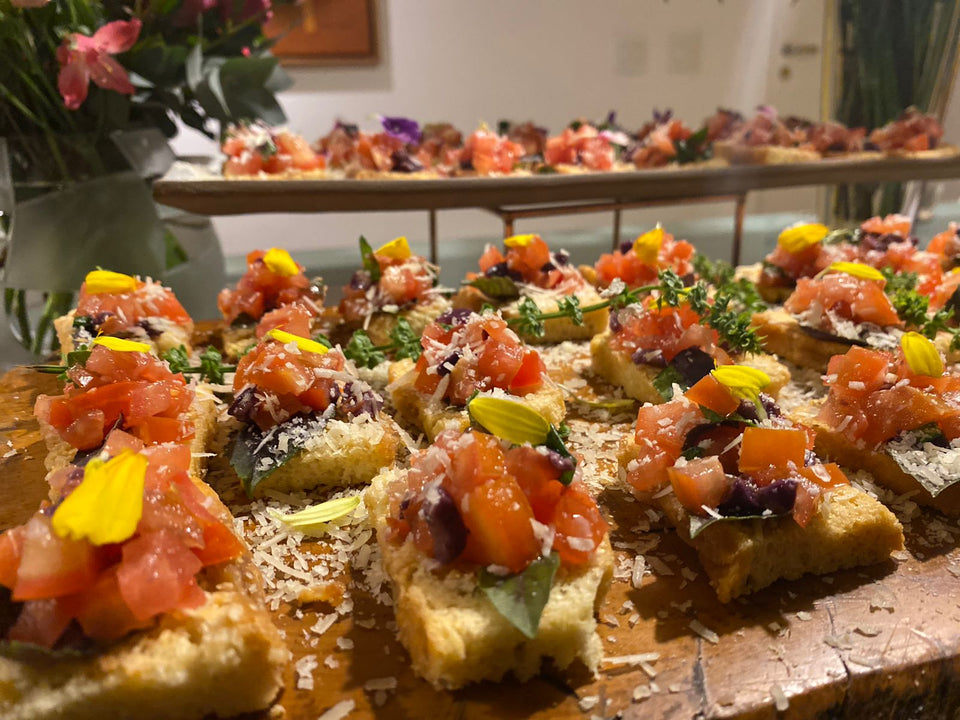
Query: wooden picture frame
{"x": 325, "y": 32}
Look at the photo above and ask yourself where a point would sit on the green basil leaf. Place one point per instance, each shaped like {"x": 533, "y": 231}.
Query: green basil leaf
{"x": 927, "y": 462}
{"x": 666, "y": 379}
{"x": 78, "y": 356}
{"x": 370, "y": 263}
{"x": 211, "y": 365}
{"x": 521, "y": 598}
{"x": 256, "y": 455}
{"x": 699, "y": 524}
{"x": 499, "y": 287}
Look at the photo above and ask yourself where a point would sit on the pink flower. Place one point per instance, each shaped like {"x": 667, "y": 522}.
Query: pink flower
{"x": 84, "y": 58}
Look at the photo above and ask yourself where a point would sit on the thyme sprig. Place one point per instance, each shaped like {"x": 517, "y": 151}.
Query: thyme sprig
{"x": 726, "y": 314}
{"x": 211, "y": 365}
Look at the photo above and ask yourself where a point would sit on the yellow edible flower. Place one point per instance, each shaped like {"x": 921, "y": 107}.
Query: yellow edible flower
{"x": 921, "y": 355}
{"x": 800, "y": 237}
{"x": 742, "y": 381}
{"x": 121, "y": 345}
{"x": 106, "y": 281}
{"x": 858, "y": 270}
{"x": 509, "y": 420}
{"x": 647, "y": 246}
{"x": 313, "y": 520}
{"x": 397, "y": 249}
{"x": 518, "y": 241}
{"x": 305, "y": 344}
{"x": 279, "y": 262}
{"x": 107, "y": 504}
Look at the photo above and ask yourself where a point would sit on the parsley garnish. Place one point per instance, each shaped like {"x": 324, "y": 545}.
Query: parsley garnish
{"x": 404, "y": 343}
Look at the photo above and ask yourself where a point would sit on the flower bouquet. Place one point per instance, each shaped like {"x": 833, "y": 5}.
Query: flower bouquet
{"x": 89, "y": 94}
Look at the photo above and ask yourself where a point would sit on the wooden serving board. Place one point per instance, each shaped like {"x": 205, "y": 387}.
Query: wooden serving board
{"x": 196, "y": 189}
{"x": 882, "y": 641}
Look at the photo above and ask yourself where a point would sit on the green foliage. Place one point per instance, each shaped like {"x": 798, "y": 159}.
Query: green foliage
{"x": 362, "y": 351}
{"x": 405, "y": 342}
{"x": 207, "y": 71}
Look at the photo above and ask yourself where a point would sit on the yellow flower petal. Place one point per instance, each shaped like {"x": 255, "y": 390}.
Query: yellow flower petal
{"x": 121, "y": 345}
{"x": 742, "y": 381}
{"x": 107, "y": 504}
{"x": 647, "y": 246}
{"x": 519, "y": 241}
{"x": 921, "y": 355}
{"x": 305, "y": 344}
{"x": 397, "y": 249}
{"x": 800, "y": 237}
{"x": 106, "y": 281}
{"x": 509, "y": 420}
{"x": 858, "y": 270}
{"x": 279, "y": 262}
{"x": 313, "y": 520}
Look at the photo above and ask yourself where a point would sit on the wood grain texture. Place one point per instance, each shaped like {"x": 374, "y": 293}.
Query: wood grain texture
{"x": 200, "y": 192}
{"x": 879, "y": 642}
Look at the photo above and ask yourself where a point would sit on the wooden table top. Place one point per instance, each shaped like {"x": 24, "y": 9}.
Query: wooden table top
{"x": 882, "y": 641}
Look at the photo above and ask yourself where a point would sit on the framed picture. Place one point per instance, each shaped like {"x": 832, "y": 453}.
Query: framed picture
{"x": 325, "y": 32}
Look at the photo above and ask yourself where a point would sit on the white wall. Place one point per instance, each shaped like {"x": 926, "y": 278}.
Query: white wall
{"x": 549, "y": 60}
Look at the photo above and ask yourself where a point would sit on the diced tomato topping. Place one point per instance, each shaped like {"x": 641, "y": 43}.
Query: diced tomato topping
{"x": 825, "y": 475}
{"x": 298, "y": 379}
{"x": 710, "y": 393}
{"x": 489, "y": 153}
{"x": 583, "y": 146}
{"x": 629, "y": 267}
{"x": 490, "y": 258}
{"x": 157, "y": 575}
{"x": 42, "y": 622}
{"x": 403, "y": 281}
{"x": 873, "y": 399}
{"x": 103, "y": 613}
{"x": 850, "y": 297}
{"x": 134, "y": 386}
{"x": 497, "y": 516}
{"x": 52, "y": 566}
{"x": 529, "y": 377}
{"x": 578, "y": 521}
{"x": 11, "y": 548}
{"x": 806, "y": 503}
{"x": 481, "y": 353}
{"x": 762, "y": 448}
{"x": 261, "y": 290}
{"x": 699, "y": 483}
{"x": 501, "y": 496}
{"x": 124, "y": 310}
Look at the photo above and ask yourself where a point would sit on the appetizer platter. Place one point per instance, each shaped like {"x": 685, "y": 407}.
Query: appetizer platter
{"x": 406, "y": 166}
{"x": 416, "y": 504}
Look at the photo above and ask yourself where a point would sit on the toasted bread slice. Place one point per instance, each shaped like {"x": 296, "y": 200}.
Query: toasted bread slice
{"x": 342, "y": 453}
{"x": 381, "y": 324}
{"x": 738, "y": 154}
{"x": 780, "y": 333}
{"x": 753, "y": 273}
{"x": 556, "y": 330}
{"x": 166, "y": 334}
{"x": 433, "y": 415}
{"x": 944, "y": 151}
{"x": 884, "y": 469}
{"x": 618, "y": 369}
{"x": 456, "y": 637}
{"x": 850, "y": 529}
{"x": 223, "y": 658}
